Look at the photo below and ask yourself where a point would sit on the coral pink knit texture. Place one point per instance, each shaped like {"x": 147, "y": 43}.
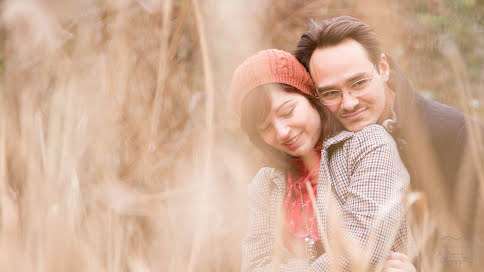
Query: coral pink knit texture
{"x": 268, "y": 66}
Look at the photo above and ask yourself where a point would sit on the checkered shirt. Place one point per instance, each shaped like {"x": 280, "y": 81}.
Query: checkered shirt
{"x": 362, "y": 180}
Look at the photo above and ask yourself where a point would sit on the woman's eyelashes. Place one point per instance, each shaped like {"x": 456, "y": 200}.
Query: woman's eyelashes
{"x": 288, "y": 112}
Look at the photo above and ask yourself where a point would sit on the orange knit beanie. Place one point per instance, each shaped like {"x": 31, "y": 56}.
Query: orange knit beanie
{"x": 268, "y": 66}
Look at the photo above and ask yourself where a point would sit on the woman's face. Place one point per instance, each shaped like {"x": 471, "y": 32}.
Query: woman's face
{"x": 292, "y": 126}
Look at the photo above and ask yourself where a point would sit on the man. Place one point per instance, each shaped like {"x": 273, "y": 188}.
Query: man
{"x": 360, "y": 85}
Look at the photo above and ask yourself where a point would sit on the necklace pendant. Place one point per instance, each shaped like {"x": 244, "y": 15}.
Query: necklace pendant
{"x": 310, "y": 249}
{"x": 309, "y": 241}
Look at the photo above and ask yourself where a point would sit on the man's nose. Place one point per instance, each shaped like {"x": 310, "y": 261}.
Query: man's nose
{"x": 348, "y": 101}
{"x": 282, "y": 131}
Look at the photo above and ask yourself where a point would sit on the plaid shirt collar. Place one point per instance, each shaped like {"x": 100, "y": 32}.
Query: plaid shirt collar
{"x": 338, "y": 138}
{"x": 279, "y": 177}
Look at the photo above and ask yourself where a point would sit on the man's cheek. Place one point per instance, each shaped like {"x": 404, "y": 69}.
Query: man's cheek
{"x": 333, "y": 109}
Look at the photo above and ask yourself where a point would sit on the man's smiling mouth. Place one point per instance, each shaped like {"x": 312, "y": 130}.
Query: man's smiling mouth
{"x": 353, "y": 115}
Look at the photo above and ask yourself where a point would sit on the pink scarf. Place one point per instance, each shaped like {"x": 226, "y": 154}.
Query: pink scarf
{"x": 295, "y": 215}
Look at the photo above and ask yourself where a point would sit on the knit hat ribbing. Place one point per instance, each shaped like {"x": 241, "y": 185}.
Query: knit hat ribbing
{"x": 268, "y": 66}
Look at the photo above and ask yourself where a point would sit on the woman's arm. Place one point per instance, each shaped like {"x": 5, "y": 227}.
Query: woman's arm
{"x": 258, "y": 245}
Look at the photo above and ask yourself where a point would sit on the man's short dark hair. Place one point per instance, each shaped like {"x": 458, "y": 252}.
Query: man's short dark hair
{"x": 331, "y": 32}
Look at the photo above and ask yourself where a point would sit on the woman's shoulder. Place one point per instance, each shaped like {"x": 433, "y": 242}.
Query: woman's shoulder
{"x": 266, "y": 177}
{"x": 264, "y": 183}
{"x": 262, "y": 177}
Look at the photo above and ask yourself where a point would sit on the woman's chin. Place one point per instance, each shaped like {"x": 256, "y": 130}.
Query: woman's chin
{"x": 298, "y": 152}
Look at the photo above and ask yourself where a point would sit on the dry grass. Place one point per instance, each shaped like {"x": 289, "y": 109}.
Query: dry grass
{"x": 117, "y": 149}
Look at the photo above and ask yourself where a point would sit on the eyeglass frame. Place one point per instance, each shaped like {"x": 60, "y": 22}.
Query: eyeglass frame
{"x": 347, "y": 89}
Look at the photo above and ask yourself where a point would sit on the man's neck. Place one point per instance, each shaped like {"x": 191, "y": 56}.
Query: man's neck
{"x": 389, "y": 99}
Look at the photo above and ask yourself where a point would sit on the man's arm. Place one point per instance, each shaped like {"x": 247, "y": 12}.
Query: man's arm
{"x": 373, "y": 210}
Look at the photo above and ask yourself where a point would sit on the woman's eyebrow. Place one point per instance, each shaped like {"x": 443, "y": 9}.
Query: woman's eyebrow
{"x": 282, "y": 105}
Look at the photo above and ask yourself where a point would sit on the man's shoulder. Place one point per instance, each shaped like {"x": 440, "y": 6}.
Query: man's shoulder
{"x": 437, "y": 117}
{"x": 372, "y": 139}
{"x": 436, "y": 110}
{"x": 440, "y": 119}
{"x": 371, "y": 136}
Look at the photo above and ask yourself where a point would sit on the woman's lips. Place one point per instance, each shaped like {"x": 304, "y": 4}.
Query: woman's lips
{"x": 293, "y": 142}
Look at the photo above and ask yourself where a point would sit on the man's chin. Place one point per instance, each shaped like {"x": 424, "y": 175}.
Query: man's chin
{"x": 356, "y": 126}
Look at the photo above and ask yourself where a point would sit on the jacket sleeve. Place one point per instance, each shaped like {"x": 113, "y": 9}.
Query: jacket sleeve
{"x": 373, "y": 210}
{"x": 258, "y": 244}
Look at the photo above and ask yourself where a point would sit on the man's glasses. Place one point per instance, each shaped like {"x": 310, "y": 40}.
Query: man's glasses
{"x": 357, "y": 88}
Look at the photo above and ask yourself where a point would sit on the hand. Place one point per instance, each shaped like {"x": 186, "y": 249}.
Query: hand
{"x": 398, "y": 262}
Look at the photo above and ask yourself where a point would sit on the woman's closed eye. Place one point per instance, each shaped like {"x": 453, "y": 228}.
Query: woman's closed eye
{"x": 288, "y": 112}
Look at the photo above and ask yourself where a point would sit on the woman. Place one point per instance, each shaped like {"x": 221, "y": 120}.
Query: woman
{"x": 357, "y": 178}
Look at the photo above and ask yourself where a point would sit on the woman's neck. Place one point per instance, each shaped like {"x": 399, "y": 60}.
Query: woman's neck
{"x": 311, "y": 160}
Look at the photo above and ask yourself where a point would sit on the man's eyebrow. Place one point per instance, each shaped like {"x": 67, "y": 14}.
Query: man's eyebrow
{"x": 347, "y": 81}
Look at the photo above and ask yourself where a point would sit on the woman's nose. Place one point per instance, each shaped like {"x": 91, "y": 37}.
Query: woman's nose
{"x": 282, "y": 131}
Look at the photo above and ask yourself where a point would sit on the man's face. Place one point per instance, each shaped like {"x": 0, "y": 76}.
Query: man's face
{"x": 342, "y": 66}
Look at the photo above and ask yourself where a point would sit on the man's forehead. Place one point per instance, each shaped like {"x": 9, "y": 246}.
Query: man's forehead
{"x": 338, "y": 63}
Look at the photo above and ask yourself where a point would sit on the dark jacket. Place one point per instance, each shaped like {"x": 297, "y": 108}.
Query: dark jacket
{"x": 425, "y": 131}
